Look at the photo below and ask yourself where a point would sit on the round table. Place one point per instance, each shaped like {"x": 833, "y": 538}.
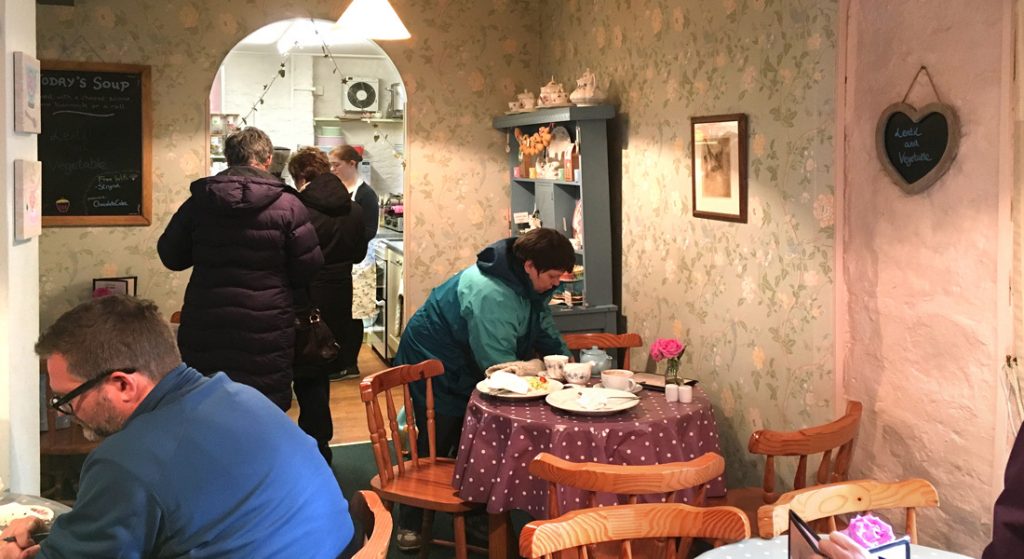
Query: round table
{"x": 778, "y": 548}
{"x": 500, "y": 438}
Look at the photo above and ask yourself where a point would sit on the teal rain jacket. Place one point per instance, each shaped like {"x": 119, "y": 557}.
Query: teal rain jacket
{"x": 486, "y": 314}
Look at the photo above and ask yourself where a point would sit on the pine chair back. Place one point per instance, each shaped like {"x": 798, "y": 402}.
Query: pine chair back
{"x": 629, "y": 523}
{"x": 624, "y": 342}
{"x": 386, "y": 385}
{"x": 836, "y": 436}
{"x": 834, "y": 441}
{"x": 412, "y": 476}
{"x": 630, "y": 481}
{"x": 375, "y": 524}
{"x": 827, "y": 501}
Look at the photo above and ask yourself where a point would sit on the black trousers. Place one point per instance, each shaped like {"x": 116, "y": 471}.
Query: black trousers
{"x": 314, "y": 396}
{"x": 350, "y": 340}
{"x": 447, "y": 432}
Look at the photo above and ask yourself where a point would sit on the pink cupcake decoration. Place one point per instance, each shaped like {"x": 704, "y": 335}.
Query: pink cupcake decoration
{"x": 869, "y": 531}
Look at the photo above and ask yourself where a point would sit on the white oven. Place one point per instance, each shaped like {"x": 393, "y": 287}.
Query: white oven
{"x": 395, "y": 295}
{"x": 377, "y": 335}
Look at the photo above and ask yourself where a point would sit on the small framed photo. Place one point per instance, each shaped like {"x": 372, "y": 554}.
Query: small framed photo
{"x": 125, "y": 285}
{"x": 231, "y": 123}
{"x": 719, "y": 152}
{"x": 27, "y": 111}
{"x": 216, "y": 124}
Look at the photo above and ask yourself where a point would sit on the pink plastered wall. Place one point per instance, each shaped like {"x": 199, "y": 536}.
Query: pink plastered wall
{"x": 926, "y": 317}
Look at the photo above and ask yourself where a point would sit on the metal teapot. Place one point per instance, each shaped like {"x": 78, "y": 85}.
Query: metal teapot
{"x": 599, "y": 360}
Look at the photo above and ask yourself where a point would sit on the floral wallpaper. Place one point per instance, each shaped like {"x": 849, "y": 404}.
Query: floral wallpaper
{"x": 754, "y": 301}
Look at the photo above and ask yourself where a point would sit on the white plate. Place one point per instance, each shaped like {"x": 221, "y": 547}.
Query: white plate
{"x": 568, "y": 400}
{"x": 553, "y": 386}
{"x": 13, "y": 511}
{"x": 635, "y": 390}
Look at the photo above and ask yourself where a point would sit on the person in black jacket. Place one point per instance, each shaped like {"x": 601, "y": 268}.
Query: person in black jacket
{"x": 344, "y": 161}
{"x": 339, "y": 227}
{"x": 249, "y": 242}
{"x": 1008, "y": 513}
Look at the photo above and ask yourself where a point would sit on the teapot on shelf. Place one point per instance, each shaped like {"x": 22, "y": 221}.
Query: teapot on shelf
{"x": 600, "y": 360}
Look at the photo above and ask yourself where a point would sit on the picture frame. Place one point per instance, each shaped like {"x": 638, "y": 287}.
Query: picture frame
{"x": 124, "y": 285}
{"x": 27, "y": 105}
{"x": 718, "y": 153}
{"x": 216, "y": 124}
{"x": 28, "y": 192}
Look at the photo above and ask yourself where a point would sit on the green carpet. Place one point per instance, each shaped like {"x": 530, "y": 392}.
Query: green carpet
{"x": 354, "y": 466}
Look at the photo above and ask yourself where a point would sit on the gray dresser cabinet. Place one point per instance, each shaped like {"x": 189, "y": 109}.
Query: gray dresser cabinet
{"x": 555, "y": 202}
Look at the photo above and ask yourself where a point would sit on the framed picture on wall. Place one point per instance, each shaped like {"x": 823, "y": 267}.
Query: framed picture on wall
{"x": 125, "y": 285}
{"x": 26, "y": 94}
{"x": 719, "y": 155}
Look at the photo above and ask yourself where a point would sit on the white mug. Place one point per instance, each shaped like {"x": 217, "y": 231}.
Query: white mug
{"x": 577, "y": 373}
{"x": 554, "y": 366}
{"x": 619, "y": 379}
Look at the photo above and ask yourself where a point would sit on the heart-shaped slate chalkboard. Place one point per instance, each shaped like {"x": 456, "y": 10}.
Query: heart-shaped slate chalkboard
{"x": 917, "y": 147}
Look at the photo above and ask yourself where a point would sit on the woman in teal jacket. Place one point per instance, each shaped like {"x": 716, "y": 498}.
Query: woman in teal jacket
{"x": 493, "y": 312}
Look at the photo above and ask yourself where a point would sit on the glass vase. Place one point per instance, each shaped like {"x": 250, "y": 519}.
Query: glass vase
{"x": 672, "y": 372}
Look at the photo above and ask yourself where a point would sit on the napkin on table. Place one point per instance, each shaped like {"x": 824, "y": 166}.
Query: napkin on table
{"x": 501, "y": 380}
{"x": 589, "y": 400}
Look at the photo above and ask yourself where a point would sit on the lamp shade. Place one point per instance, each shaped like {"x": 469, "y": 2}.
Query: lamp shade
{"x": 372, "y": 19}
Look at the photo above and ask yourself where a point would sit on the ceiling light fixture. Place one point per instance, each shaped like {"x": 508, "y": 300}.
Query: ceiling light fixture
{"x": 372, "y": 19}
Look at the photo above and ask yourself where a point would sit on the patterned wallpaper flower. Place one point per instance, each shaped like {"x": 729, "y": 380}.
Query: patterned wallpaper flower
{"x": 753, "y": 302}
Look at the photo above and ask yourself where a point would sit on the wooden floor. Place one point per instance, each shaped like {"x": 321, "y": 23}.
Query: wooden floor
{"x": 346, "y": 407}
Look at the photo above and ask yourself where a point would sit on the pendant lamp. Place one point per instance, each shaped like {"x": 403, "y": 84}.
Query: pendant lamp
{"x": 372, "y": 19}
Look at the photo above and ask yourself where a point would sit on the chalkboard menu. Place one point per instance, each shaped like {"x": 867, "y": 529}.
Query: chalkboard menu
{"x": 917, "y": 146}
{"x": 95, "y": 145}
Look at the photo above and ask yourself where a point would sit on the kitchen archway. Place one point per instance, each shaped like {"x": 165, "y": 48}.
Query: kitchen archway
{"x": 305, "y": 86}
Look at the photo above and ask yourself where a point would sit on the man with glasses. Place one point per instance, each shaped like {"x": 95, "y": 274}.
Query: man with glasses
{"x": 190, "y": 466}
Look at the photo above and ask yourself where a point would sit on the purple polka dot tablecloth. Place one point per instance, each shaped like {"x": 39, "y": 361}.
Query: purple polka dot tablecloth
{"x": 501, "y": 437}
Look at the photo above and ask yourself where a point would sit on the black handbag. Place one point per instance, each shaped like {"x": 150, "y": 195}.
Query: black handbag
{"x": 314, "y": 341}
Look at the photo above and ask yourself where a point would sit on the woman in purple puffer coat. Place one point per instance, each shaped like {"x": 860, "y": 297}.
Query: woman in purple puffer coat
{"x": 249, "y": 242}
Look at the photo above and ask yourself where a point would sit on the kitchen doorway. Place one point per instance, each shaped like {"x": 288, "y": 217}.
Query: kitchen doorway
{"x": 305, "y": 85}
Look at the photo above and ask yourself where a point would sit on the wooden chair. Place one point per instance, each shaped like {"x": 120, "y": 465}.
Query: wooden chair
{"x": 835, "y": 437}
{"x": 374, "y": 522}
{"x": 827, "y": 501}
{"x": 624, "y": 342}
{"x": 628, "y": 523}
{"x": 629, "y": 481}
{"x": 423, "y": 481}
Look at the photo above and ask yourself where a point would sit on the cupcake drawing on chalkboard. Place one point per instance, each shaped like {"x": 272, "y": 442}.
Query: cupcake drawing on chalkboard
{"x": 63, "y": 205}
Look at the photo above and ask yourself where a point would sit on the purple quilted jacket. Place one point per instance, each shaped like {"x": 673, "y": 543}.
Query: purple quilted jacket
{"x": 249, "y": 242}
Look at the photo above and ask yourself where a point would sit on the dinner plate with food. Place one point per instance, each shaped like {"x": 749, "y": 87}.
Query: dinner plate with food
{"x": 509, "y": 386}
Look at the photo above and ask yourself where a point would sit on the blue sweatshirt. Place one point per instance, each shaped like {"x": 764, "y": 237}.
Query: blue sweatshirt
{"x": 204, "y": 468}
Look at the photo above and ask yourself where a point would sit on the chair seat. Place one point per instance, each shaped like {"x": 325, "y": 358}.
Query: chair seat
{"x": 428, "y": 486}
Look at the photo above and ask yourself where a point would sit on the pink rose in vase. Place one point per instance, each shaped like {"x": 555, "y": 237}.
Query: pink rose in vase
{"x": 666, "y": 348}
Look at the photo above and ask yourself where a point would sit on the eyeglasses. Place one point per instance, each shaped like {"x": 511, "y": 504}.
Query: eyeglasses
{"x": 63, "y": 403}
